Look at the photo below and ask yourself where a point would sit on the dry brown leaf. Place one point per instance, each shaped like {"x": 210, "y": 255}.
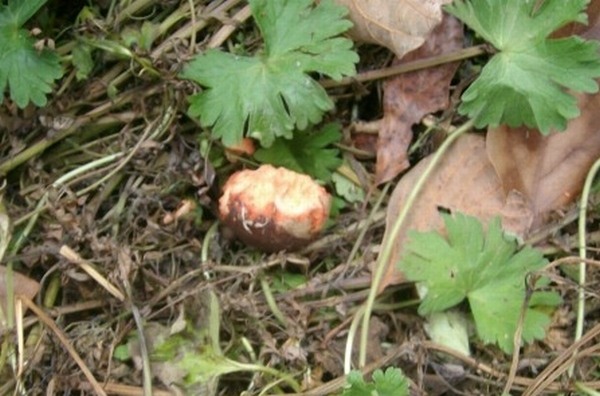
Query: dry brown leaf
{"x": 401, "y": 25}
{"x": 465, "y": 181}
{"x": 549, "y": 171}
{"x": 22, "y": 286}
{"x": 410, "y": 96}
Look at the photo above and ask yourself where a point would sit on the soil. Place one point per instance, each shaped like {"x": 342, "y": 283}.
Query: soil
{"x": 112, "y": 191}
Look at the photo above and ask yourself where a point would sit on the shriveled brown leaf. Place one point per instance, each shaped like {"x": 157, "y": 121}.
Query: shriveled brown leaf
{"x": 592, "y": 29}
{"x": 22, "y": 286}
{"x": 401, "y": 25}
{"x": 410, "y": 96}
{"x": 548, "y": 171}
{"x": 465, "y": 181}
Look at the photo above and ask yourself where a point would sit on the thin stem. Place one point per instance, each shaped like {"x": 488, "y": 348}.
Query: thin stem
{"x": 210, "y": 234}
{"x": 47, "y": 320}
{"x": 61, "y": 181}
{"x": 366, "y": 224}
{"x": 407, "y": 67}
{"x": 144, "y": 350}
{"x": 585, "y": 390}
{"x": 193, "y": 20}
{"x": 271, "y": 301}
{"x": 583, "y": 255}
{"x": 385, "y": 255}
{"x": 350, "y": 340}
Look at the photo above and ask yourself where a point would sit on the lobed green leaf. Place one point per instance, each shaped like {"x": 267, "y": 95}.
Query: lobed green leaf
{"x": 526, "y": 82}
{"x": 392, "y": 382}
{"x": 271, "y": 95}
{"x": 27, "y": 72}
{"x": 489, "y": 270}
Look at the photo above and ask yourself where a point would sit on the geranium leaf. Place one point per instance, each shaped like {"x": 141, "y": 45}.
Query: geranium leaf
{"x": 27, "y": 72}
{"x": 525, "y": 82}
{"x": 489, "y": 270}
{"x": 271, "y": 94}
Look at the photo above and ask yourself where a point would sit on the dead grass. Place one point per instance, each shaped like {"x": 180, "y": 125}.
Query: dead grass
{"x": 89, "y": 204}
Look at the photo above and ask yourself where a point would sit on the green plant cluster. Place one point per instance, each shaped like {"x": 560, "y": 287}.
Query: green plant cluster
{"x": 272, "y": 94}
{"x": 390, "y": 382}
{"x": 489, "y": 270}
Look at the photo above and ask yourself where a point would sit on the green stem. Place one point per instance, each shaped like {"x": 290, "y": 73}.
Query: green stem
{"x": 61, "y": 181}
{"x": 271, "y": 301}
{"x": 36, "y": 149}
{"x": 268, "y": 370}
{"x": 146, "y": 371}
{"x": 407, "y": 67}
{"x": 40, "y": 207}
{"x": 41, "y": 146}
{"x": 386, "y": 253}
{"x": 130, "y": 10}
{"x": 350, "y": 340}
{"x": 585, "y": 390}
{"x": 152, "y": 130}
{"x": 210, "y": 234}
{"x": 366, "y": 225}
{"x": 582, "y": 255}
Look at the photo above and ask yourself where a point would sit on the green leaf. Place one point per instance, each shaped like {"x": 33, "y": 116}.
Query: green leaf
{"x": 271, "y": 94}
{"x": 524, "y": 84}
{"x": 449, "y": 328}
{"x": 286, "y": 281}
{"x": 306, "y": 152}
{"x": 203, "y": 367}
{"x": 82, "y": 60}
{"x": 346, "y": 189}
{"x": 20, "y": 11}
{"x": 489, "y": 270}
{"x": 357, "y": 385}
{"x": 121, "y": 352}
{"x": 28, "y": 73}
{"x": 389, "y": 383}
{"x": 142, "y": 37}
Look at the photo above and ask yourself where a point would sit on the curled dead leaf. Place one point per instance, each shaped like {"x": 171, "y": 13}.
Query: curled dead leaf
{"x": 401, "y": 25}
{"x": 22, "y": 286}
{"x": 410, "y": 96}
{"x": 549, "y": 171}
{"x": 184, "y": 208}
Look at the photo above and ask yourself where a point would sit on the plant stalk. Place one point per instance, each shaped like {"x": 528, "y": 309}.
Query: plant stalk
{"x": 386, "y": 253}
{"x": 583, "y": 255}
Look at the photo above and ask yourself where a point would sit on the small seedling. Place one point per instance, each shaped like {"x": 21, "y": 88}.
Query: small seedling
{"x": 489, "y": 270}
{"x": 389, "y": 383}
